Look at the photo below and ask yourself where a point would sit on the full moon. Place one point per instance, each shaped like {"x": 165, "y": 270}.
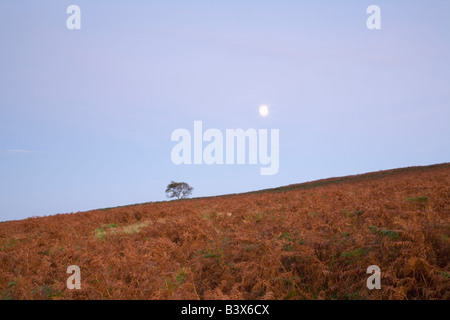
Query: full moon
{"x": 264, "y": 110}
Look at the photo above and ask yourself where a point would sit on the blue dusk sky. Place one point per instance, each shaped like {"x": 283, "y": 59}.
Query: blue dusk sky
{"x": 86, "y": 116}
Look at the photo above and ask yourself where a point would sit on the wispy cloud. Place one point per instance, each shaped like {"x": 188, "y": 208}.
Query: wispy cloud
{"x": 19, "y": 151}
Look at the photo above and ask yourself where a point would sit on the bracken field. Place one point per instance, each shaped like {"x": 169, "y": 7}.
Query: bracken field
{"x": 307, "y": 241}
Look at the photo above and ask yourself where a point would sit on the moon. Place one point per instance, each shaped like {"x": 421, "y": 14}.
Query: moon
{"x": 264, "y": 110}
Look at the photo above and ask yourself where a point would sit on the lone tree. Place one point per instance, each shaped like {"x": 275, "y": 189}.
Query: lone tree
{"x": 179, "y": 190}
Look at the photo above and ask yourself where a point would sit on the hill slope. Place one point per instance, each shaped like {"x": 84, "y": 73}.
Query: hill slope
{"x": 306, "y": 241}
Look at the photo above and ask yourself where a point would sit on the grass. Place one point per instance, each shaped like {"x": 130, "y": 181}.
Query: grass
{"x": 353, "y": 296}
{"x": 349, "y": 214}
{"x": 133, "y": 228}
{"x": 373, "y": 229}
{"x": 102, "y": 232}
{"x": 207, "y": 216}
{"x": 249, "y": 247}
{"x": 291, "y": 294}
{"x": 181, "y": 276}
{"x": 285, "y": 235}
{"x": 9, "y": 244}
{"x": 209, "y": 253}
{"x": 333, "y": 260}
{"x": 259, "y": 217}
{"x": 418, "y": 199}
{"x": 346, "y": 213}
{"x": 47, "y": 292}
{"x": 289, "y": 240}
{"x": 49, "y": 252}
{"x": 354, "y": 255}
{"x": 393, "y": 235}
{"x": 109, "y": 226}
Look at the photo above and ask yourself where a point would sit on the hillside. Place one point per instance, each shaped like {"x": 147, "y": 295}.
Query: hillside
{"x": 306, "y": 241}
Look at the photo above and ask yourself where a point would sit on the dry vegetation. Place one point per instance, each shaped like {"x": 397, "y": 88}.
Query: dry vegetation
{"x": 308, "y": 241}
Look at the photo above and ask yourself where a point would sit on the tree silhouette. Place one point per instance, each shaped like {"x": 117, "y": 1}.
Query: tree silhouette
{"x": 179, "y": 190}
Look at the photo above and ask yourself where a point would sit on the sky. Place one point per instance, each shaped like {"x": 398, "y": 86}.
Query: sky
{"x": 86, "y": 116}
